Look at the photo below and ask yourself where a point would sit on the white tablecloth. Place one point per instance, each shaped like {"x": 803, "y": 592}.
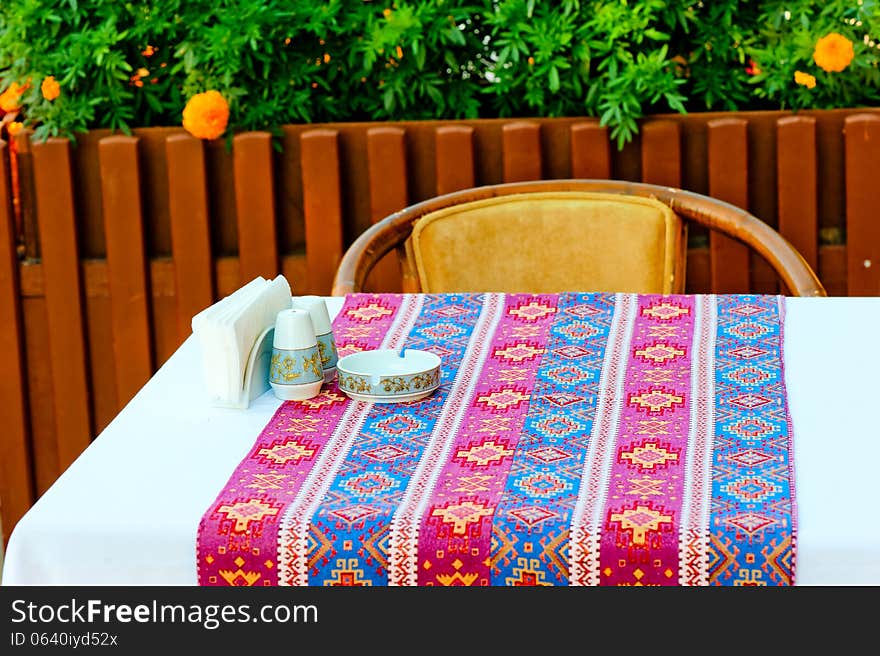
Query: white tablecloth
{"x": 127, "y": 510}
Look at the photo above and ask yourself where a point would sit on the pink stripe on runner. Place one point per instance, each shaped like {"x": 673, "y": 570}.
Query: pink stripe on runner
{"x": 238, "y": 535}
{"x": 403, "y": 541}
{"x": 455, "y": 534}
{"x": 294, "y": 531}
{"x": 639, "y": 541}
{"x": 586, "y": 522}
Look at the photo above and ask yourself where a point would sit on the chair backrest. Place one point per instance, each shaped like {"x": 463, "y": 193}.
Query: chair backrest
{"x": 487, "y": 215}
{"x": 550, "y": 241}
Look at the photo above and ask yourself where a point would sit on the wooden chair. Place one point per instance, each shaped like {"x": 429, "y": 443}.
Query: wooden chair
{"x": 560, "y": 235}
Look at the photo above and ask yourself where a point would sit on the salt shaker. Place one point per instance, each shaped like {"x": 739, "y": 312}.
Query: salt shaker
{"x": 317, "y": 309}
{"x": 295, "y": 371}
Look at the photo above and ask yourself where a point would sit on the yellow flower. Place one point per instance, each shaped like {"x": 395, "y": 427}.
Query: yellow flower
{"x": 9, "y": 99}
{"x": 206, "y": 115}
{"x": 804, "y": 79}
{"x": 833, "y": 52}
{"x": 14, "y": 128}
{"x": 50, "y": 88}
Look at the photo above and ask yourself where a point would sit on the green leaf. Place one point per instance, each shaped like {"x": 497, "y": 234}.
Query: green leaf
{"x": 456, "y": 36}
{"x": 553, "y": 79}
{"x": 154, "y": 102}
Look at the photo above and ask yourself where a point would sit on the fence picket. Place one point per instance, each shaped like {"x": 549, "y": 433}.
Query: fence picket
{"x": 796, "y": 186}
{"x": 129, "y": 291}
{"x": 255, "y": 206}
{"x": 590, "y": 151}
{"x": 386, "y": 164}
{"x": 27, "y": 202}
{"x": 454, "y": 158}
{"x": 661, "y": 153}
{"x": 62, "y": 285}
{"x": 190, "y": 229}
{"x": 16, "y": 476}
{"x": 322, "y": 207}
{"x": 521, "y": 151}
{"x": 862, "y": 145}
{"x": 728, "y": 181}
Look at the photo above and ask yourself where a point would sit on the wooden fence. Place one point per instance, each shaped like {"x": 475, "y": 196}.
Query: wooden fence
{"x": 112, "y": 244}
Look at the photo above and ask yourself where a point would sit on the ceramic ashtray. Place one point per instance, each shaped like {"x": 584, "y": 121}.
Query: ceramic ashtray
{"x": 388, "y": 376}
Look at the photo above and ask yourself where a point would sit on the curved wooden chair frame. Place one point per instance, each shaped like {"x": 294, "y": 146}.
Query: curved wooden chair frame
{"x": 393, "y": 231}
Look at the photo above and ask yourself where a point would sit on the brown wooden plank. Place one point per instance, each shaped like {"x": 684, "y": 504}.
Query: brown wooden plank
{"x": 16, "y": 477}
{"x": 590, "y": 151}
{"x": 61, "y": 280}
{"x": 190, "y": 230}
{"x": 862, "y": 143}
{"x": 797, "y": 193}
{"x": 522, "y": 151}
{"x": 661, "y": 153}
{"x": 255, "y": 206}
{"x": 102, "y": 359}
{"x": 832, "y": 268}
{"x": 728, "y": 181}
{"x": 454, "y": 158}
{"x": 294, "y": 267}
{"x": 322, "y": 209}
{"x": 124, "y": 237}
{"x": 166, "y": 337}
{"x": 41, "y": 393}
{"x": 698, "y": 280}
{"x": 386, "y": 163}
{"x": 27, "y": 198}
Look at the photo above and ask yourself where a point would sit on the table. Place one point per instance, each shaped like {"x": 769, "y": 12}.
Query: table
{"x": 127, "y": 510}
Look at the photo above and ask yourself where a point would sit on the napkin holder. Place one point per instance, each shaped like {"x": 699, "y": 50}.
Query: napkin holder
{"x": 256, "y": 373}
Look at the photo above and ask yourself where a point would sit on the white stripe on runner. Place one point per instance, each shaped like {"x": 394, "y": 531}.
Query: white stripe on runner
{"x": 586, "y": 521}
{"x": 293, "y": 543}
{"x": 403, "y": 542}
{"x": 693, "y": 564}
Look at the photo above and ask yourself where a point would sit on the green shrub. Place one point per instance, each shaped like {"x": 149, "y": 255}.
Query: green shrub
{"x": 126, "y": 64}
{"x": 788, "y": 40}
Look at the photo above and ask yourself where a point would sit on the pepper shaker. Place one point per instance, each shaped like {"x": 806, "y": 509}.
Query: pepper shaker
{"x": 317, "y": 309}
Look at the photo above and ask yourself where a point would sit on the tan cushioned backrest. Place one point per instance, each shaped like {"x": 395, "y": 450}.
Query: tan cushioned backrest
{"x": 549, "y": 242}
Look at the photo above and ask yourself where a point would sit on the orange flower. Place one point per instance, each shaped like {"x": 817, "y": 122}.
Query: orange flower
{"x": 136, "y": 78}
{"x": 149, "y": 51}
{"x": 9, "y": 99}
{"x": 804, "y": 79}
{"x": 14, "y": 128}
{"x": 50, "y": 88}
{"x": 833, "y": 52}
{"x": 206, "y": 115}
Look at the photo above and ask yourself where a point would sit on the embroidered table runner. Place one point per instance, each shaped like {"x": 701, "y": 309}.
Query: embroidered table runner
{"x": 576, "y": 439}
